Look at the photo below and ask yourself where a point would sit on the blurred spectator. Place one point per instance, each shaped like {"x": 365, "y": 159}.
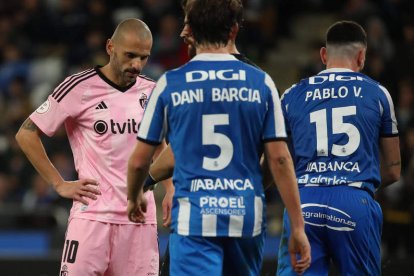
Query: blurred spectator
{"x": 169, "y": 51}
{"x": 13, "y": 66}
{"x": 39, "y": 196}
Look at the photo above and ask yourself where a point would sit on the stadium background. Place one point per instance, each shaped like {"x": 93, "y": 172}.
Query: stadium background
{"x": 42, "y": 41}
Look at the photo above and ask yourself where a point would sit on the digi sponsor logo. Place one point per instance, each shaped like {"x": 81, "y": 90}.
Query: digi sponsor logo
{"x": 130, "y": 126}
{"x": 326, "y": 216}
{"x": 333, "y": 77}
{"x": 44, "y": 107}
{"x": 227, "y": 75}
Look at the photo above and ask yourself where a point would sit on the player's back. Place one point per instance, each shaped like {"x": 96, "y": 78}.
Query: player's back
{"x": 336, "y": 119}
{"x": 219, "y": 112}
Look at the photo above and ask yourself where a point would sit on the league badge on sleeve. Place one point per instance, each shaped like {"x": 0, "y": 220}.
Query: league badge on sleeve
{"x": 44, "y": 107}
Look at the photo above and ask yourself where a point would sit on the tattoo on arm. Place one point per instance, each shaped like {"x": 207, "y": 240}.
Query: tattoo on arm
{"x": 29, "y": 125}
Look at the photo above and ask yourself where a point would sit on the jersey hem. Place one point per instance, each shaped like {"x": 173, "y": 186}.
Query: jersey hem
{"x": 112, "y": 221}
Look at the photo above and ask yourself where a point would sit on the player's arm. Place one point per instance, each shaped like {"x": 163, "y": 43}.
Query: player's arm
{"x": 266, "y": 174}
{"x": 138, "y": 167}
{"x": 390, "y": 160}
{"x": 162, "y": 170}
{"x": 28, "y": 138}
{"x": 281, "y": 167}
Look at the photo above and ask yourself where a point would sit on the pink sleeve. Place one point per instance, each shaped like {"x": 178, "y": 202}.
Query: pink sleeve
{"x": 49, "y": 116}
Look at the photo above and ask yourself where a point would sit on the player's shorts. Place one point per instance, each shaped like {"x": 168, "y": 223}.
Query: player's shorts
{"x": 196, "y": 255}
{"x": 343, "y": 225}
{"x": 98, "y": 248}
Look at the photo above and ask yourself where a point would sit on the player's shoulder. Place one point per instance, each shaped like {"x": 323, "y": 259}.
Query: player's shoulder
{"x": 73, "y": 82}
{"x": 145, "y": 78}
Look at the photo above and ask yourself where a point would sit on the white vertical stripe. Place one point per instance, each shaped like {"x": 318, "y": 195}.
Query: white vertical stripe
{"x": 278, "y": 115}
{"x": 391, "y": 104}
{"x": 149, "y": 110}
{"x": 258, "y": 215}
{"x": 184, "y": 209}
{"x": 209, "y": 225}
{"x": 236, "y": 226}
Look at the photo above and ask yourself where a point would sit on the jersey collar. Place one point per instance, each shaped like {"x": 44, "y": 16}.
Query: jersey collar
{"x": 335, "y": 70}
{"x": 213, "y": 57}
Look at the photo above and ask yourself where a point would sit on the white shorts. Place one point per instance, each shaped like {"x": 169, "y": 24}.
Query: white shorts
{"x": 99, "y": 248}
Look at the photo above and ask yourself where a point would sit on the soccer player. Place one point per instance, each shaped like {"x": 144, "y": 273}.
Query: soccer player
{"x": 219, "y": 114}
{"x": 345, "y": 144}
{"x": 101, "y": 109}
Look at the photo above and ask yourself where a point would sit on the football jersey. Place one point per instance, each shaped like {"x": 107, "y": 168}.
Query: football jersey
{"x": 217, "y": 112}
{"x": 101, "y": 120}
{"x": 336, "y": 119}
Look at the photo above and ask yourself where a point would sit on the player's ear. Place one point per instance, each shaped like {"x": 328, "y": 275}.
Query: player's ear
{"x": 323, "y": 53}
{"x": 234, "y": 31}
{"x": 361, "y": 58}
{"x": 109, "y": 47}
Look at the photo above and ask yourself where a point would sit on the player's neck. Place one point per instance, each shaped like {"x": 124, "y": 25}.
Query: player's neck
{"x": 212, "y": 49}
{"x": 342, "y": 64}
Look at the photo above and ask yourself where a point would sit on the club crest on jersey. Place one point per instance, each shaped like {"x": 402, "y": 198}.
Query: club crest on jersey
{"x": 143, "y": 100}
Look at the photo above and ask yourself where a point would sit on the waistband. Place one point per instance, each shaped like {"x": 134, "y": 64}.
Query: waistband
{"x": 369, "y": 187}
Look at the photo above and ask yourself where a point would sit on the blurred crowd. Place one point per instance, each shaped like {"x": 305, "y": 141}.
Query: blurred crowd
{"x": 42, "y": 41}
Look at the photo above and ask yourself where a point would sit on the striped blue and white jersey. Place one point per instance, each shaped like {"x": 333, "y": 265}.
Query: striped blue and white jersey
{"x": 216, "y": 112}
{"x": 336, "y": 119}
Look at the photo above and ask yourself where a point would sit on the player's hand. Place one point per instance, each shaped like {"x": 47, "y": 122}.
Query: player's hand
{"x": 137, "y": 209}
{"x": 167, "y": 207}
{"x": 299, "y": 247}
{"x": 79, "y": 190}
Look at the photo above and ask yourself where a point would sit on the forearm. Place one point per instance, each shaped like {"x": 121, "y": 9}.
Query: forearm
{"x": 163, "y": 166}
{"x": 138, "y": 167}
{"x": 285, "y": 178}
{"x": 135, "y": 179}
{"x": 267, "y": 175}
{"x": 390, "y": 172}
{"x": 282, "y": 169}
{"x": 29, "y": 141}
{"x": 390, "y": 160}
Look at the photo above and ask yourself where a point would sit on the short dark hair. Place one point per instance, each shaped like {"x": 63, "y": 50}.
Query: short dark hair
{"x": 211, "y": 20}
{"x": 345, "y": 32}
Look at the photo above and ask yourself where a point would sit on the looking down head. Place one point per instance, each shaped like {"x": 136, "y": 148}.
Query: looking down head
{"x": 129, "y": 49}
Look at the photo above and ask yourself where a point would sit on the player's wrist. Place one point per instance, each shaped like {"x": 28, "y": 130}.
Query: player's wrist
{"x": 149, "y": 183}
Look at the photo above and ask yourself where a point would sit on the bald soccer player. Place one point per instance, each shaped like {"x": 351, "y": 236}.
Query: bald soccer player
{"x": 101, "y": 109}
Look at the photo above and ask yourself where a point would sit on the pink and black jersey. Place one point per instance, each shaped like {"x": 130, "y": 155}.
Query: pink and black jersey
{"x": 101, "y": 121}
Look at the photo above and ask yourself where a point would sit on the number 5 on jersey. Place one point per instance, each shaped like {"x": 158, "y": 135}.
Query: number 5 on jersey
{"x": 210, "y": 137}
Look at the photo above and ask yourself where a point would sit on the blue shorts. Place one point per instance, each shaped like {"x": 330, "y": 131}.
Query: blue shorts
{"x": 196, "y": 255}
{"x": 343, "y": 225}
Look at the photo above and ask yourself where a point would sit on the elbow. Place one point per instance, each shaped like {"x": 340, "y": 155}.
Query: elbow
{"x": 19, "y": 138}
{"x": 135, "y": 164}
{"x": 394, "y": 176}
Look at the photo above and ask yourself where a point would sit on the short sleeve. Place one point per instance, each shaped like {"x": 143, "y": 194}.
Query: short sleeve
{"x": 388, "y": 118}
{"x": 153, "y": 127}
{"x": 274, "y": 124}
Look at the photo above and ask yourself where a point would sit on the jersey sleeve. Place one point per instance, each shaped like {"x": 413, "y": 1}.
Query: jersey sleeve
{"x": 49, "y": 116}
{"x": 274, "y": 124}
{"x": 153, "y": 127}
{"x": 285, "y": 107}
{"x": 388, "y": 118}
